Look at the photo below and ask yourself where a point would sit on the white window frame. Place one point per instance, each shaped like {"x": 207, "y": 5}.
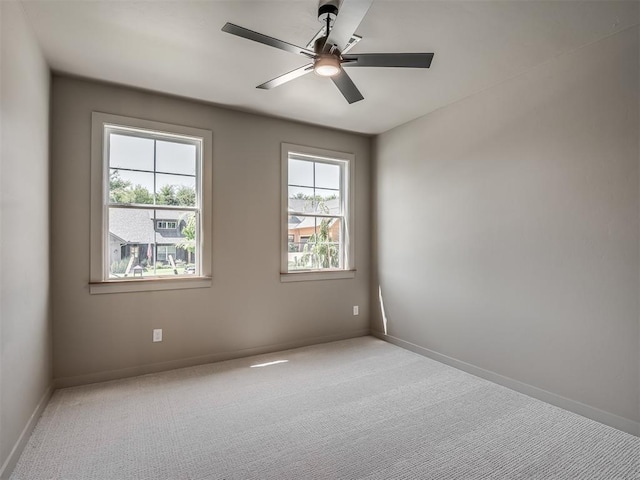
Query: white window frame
{"x": 99, "y": 269}
{"x": 348, "y": 205}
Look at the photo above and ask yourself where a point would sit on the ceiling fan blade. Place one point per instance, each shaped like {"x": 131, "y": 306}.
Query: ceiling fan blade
{"x": 266, "y": 40}
{"x": 347, "y": 87}
{"x": 287, "y": 77}
{"x": 349, "y": 17}
{"x": 407, "y": 60}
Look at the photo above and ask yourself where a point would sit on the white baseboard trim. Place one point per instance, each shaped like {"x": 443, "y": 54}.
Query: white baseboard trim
{"x": 610, "y": 419}
{"x": 16, "y": 451}
{"x": 106, "y": 376}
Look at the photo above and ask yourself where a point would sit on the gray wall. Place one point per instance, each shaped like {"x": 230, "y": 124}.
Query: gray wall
{"x": 248, "y": 309}
{"x": 508, "y": 235}
{"x": 25, "y": 338}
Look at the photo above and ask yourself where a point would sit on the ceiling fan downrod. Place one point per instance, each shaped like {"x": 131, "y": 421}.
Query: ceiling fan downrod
{"x": 327, "y": 13}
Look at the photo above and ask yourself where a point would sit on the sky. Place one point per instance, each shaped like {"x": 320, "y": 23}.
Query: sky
{"x": 135, "y": 153}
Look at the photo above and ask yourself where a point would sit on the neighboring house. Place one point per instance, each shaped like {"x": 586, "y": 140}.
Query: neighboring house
{"x": 147, "y": 235}
{"x": 300, "y": 230}
{"x": 300, "y": 227}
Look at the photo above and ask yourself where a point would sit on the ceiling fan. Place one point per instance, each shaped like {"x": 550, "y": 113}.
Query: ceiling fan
{"x": 328, "y": 48}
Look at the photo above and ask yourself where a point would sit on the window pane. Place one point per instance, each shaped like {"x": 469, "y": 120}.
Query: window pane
{"x": 301, "y": 200}
{"x": 130, "y": 187}
{"x": 176, "y": 238}
{"x": 301, "y": 230}
{"x": 327, "y": 176}
{"x": 328, "y": 202}
{"x": 300, "y": 173}
{"x": 130, "y": 152}
{"x": 137, "y": 248}
{"x": 172, "y": 157}
{"x": 175, "y": 190}
{"x": 131, "y": 238}
{"x": 328, "y": 249}
{"x": 314, "y": 243}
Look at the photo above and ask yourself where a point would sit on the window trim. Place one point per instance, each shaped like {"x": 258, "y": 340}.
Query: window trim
{"x": 98, "y": 283}
{"x": 349, "y": 269}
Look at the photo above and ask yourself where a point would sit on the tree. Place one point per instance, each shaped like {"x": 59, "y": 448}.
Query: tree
{"x": 186, "y": 196}
{"x": 141, "y": 195}
{"x": 316, "y": 197}
{"x": 119, "y": 189}
{"x": 167, "y": 195}
{"x": 189, "y": 234}
{"x": 115, "y": 182}
{"x": 122, "y": 191}
{"x": 320, "y": 250}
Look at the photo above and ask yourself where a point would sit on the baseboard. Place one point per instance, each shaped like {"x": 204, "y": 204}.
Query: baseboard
{"x": 16, "y": 451}
{"x": 106, "y": 376}
{"x": 610, "y": 419}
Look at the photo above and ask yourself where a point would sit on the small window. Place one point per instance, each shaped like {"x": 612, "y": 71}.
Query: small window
{"x": 152, "y": 175}
{"x": 164, "y": 225}
{"x": 166, "y": 253}
{"x": 316, "y": 211}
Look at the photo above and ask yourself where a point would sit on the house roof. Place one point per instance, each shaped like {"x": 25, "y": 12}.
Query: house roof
{"x": 137, "y": 225}
{"x": 302, "y": 205}
{"x": 298, "y": 223}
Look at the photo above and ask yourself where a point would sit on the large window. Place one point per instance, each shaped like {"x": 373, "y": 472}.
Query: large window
{"x": 152, "y": 220}
{"x": 317, "y": 211}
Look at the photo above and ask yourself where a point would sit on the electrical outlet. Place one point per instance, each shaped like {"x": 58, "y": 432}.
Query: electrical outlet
{"x": 157, "y": 334}
{"x": 356, "y": 310}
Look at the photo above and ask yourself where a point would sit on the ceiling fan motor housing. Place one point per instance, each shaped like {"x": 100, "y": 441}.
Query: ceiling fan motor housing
{"x": 327, "y": 9}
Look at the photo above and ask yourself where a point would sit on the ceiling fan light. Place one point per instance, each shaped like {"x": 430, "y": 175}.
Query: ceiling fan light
{"x": 327, "y": 65}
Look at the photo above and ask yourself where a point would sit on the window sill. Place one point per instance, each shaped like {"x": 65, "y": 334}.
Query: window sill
{"x": 308, "y": 276}
{"x": 125, "y": 286}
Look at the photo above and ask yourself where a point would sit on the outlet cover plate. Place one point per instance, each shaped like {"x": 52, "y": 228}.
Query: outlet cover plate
{"x": 157, "y": 334}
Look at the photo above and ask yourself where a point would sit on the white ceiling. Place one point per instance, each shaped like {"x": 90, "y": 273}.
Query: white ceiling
{"x": 177, "y": 47}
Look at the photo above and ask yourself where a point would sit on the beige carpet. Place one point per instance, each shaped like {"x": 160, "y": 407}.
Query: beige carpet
{"x": 354, "y": 409}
